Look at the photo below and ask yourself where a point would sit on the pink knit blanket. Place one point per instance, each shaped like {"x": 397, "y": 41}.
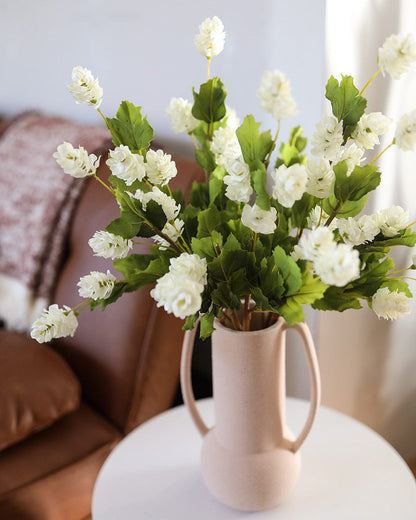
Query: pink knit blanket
{"x": 37, "y": 201}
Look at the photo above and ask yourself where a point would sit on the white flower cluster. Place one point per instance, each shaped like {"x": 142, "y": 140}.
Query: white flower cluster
{"x": 85, "y": 88}
{"x": 96, "y": 285}
{"x": 259, "y": 220}
{"x": 390, "y": 305}
{"x": 54, "y": 323}
{"x": 336, "y": 264}
{"x": 179, "y": 112}
{"x": 405, "y": 136}
{"x": 237, "y": 180}
{"x": 160, "y": 168}
{"x": 108, "y": 245}
{"x": 76, "y": 161}
{"x": 180, "y": 290}
{"x": 289, "y": 184}
{"x": 318, "y": 217}
{"x": 211, "y": 38}
{"x": 369, "y": 128}
{"x": 168, "y": 204}
{"x": 126, "y": 165}
{"x": 321, "y": 178}
{"x": 327, "y": 139}
{"x": 225, "y": 145}
{"x": 397, "y": 55}
{"x": 275, "y": 96}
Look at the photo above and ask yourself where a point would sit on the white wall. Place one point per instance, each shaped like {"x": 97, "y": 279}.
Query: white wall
{"x": 144, "y": 52}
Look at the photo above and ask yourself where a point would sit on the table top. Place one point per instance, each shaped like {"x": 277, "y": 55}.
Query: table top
{"x": 348, "y": 471}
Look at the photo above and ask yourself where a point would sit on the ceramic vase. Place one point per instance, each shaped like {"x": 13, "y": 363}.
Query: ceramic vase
{"x": 250, "y": 459}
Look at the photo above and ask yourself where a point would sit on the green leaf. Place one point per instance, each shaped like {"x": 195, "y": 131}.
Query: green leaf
{"x": 190, "y": 322}
{"x": 312, "y": 289}
{"x": 129, "y": 224}
{"x": 347, "y": 105}
{"x": 349, "y": 208}
{"x": 405, "y": 238}
{"x": 215, "y": 184}
{"x": 361, "y": 181}
{"x": 130, "y": 128}
{"x": 208, "y": 220}
{"x": 398, "y": 285}
{"x": 207, "y": 247}
{"x": 301, "y": 210}
{"x": 336, "y": 299}
{"x": 199, "y": 196}
{"x": 209, "y": 103}
{"x": 118, "y": 291}
{"x": 207, "y": 325}
{"x": 205, "y": 158}
{"x": 254, "y": 146}
{"x": 259, "y": 182}
{"x": 289, "y": 270}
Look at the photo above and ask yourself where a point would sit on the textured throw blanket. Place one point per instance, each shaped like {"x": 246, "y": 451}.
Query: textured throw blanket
{"x": 36, "y": 205}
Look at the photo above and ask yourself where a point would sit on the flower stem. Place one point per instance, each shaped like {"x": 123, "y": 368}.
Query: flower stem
{"x": 106, "y": 186}
{"x": 369, "y": 81}
{"x": 382, "y": 151}
{"x": 267, "y": 161}
{"x": 209, "y": 58}
{"x": 194, "y": 140}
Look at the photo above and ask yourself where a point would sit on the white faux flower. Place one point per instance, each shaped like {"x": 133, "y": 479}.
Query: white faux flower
{"x": 406, "y": 132}
{"x": 126, "y": 165}
{"x": 177, "y": 295}
{"x": 54, "y": 323}
{"x": 179, "y": 112}
{"x": 85, "y": 88}
{"x": 237, "y": 181}
{"x": 179, "y": 291}
{"x": 233, "y": 120}
{"x": 108, "y": 245}
{"x": 392, "y": 220}
{"x": 397, "y": 55}
{"x": 259, "y": 220}
{"x": 321, "y": 178}
{"x": 314, "y": 243}
{"x": 96, "y": 285}
{"x": 318, "y": 217}
{"x": 168, "y": 204}
{"x": 225, "y": 145}
{"x": 289, "y": 184}
{"x": 275, "y": 96}
{"x": 160, "y": 168}
{"x": 338, "y": 266}
{"x": 211, "y": 38}
{"x": 193, "y": 267}
{"x": 327, "y": 138}
{"x": 352, "y": 155}
{"x": 76, "y": 161}
{"x": 369, "y": 128}
{"x": 390, "y": 304}
{"x": 356, "y": 232}
{"x": 172, "y": 230}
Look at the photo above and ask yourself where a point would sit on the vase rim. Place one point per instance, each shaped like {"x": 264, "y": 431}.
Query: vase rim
{"x": 277, "y": 324}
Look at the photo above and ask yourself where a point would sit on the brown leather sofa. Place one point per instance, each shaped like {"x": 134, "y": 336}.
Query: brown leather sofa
{"x": 126, "y": 360}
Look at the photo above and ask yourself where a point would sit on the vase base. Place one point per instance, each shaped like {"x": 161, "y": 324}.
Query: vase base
{"x": 248, "y": 482}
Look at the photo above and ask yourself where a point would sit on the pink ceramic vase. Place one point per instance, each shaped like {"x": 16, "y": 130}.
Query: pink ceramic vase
{"x": 250, "y": 460}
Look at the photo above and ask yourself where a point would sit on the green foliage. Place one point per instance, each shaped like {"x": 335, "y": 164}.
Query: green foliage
{"x": 130, "y": 128}
{"x": 354, "y": 186}
{"x": 347, "y": 104}
{"x": 209, "y": 103}
{"x": 254, "y": 146}
{"x": 290, "y": 152}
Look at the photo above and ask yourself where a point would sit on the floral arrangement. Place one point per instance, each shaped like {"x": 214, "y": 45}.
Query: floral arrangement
{"x": 263, "y": 234}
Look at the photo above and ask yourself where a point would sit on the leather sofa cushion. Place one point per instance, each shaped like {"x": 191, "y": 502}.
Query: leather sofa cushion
{"x": 37, "y": 387}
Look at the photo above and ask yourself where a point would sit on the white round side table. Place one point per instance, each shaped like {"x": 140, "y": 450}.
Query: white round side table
{"x": 348, "y": 472}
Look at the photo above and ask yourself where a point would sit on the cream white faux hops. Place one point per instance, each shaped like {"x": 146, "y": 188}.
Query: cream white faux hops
{"x": 179, "y": 291}
{"x": 108, "y": 245}
{"x": 85, "y": 88}
{"x": 390, "y": 305}
{"x": 392, "y": 220}
{"x": 237, "y": 181}
{"x": 397, "y": 55}
{"x": 405, "y": 136}
{"x": 369, "y": 128}
{"x": 168, "y": 204}
{"x": 211, "y": 38}
{"x": 352, "y": 155}
{"x": 327, "y": 138}
{"x": 160, "y": 168}
{"x": 259, "y": 220}
{"x": 312, "y": 244}
{"x": 54, "y": 323}
{"x": 76, "y": 161}
{"x": 320, "y": 178}
{"x": 318, "y": 217}
{"x": 355, "y": 232}
{"x": 96, "y": 285}
{"x": 126, "y": 165}
{"x": 289, "y": 184}
{"x": 179, "y": 112}
{"x": 275, "y": 96}
{"x": 338, "y": 266}
{"x": 225, "y": 145}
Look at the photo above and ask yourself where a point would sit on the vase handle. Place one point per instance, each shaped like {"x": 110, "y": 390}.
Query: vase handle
{"x": 186, "y": 382}
{"x": 315, "y": 383}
